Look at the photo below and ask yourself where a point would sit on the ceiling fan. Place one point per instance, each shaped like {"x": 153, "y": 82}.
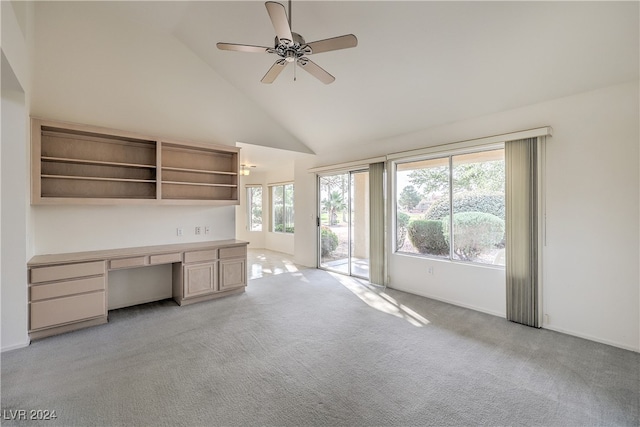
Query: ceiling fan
{"x": 291, "y": 47}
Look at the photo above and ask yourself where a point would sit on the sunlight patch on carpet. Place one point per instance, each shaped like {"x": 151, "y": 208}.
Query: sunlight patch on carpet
{"x": 380, "y": 300}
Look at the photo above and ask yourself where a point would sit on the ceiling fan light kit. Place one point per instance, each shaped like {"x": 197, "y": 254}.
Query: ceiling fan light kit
{"x": 292, "y": 48}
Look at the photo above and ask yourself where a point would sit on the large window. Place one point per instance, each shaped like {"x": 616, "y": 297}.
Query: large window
{"x": 452, "y": 207}
{"x": 254, "y": 208}
{"x": 282, "y": 208}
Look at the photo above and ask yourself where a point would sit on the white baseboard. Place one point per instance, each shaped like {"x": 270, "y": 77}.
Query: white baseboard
{"x": 591, "y": 338}
{"x": 544, "y": 326}
{"x": 457, "y": 303}
{"x": 16, "y": 346}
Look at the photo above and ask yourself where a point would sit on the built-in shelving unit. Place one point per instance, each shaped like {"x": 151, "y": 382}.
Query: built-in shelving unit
{"x": 83, "y": 164}
{"x": 198, "y": 173}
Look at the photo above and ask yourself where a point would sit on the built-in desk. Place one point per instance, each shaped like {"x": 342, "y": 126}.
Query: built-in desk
{"x": 69, "y": 291}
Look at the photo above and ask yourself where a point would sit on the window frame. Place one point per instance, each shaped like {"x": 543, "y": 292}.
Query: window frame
{"x": 249, "y": 208}
{"x": 438, "y": 152}
{"x": 272, "y": 206}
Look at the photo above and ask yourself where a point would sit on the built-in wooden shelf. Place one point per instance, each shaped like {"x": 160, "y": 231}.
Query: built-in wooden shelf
{"x": 94, "y": 162}
{"x": 199, "y": 171}
{"x": 82, "y": 164}
{"x": 204, "y": 184}
{"x": 95, "y": 178}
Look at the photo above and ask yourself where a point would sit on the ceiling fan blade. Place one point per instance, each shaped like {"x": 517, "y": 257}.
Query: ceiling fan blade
{"x": 274, "y": 71}
{"x": 242, "y": 48}
{"x": 315, "y": 70}
{"x": 335, "y": 43}
{"x": 279, "y": 20}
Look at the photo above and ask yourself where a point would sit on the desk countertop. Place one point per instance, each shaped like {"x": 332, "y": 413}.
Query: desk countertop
{"x": 64, "y": 258}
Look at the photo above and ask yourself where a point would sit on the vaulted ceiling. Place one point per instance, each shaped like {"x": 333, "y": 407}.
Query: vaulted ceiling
{"x": 417, "y": 64}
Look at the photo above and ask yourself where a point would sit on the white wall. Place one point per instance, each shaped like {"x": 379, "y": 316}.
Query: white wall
{"x": 13, "y": 218}
{"x": 280, "y": 242}
{"x": 94, "y": 66}
{"x": 14, "y": 152}
{"x": 306, "y": 188}
{"x": 82, "y": 228}
{"x": 591, "y": 284}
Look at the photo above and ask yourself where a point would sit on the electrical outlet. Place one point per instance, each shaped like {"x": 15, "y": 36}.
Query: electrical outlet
{"x": 430, "y": 270}
{"x": 198, "y": 229}
{"x": 179, "y": 231}
{"x": 207, "y": 230}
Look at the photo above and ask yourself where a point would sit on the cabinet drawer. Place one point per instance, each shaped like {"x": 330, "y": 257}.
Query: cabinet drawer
{"x": 67, "y": 271}
{"x": 68, "y": 309}
{"x": 165, "y": 258}
{"x": 197, "y": 256}
{"x": 138, "y": 261}
{"x": 70, "y": 287}
{"x": 234, "y": 252}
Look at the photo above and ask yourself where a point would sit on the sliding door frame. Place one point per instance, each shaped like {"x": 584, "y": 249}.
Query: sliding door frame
{"x": 319, "y": 176}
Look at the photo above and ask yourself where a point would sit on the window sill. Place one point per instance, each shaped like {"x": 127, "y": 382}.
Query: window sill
{"x": 449, "y": 261}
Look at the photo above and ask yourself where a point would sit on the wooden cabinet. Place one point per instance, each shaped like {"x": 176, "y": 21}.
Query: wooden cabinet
{"x": 87, "y": 165}
{"x": 233, "y": 274}
{"x": 200, "y": 279}
{"x": 69, "y": 291}
{"x": 207, "y": 272}
{"x": 233, "y": 268}
{"x": 66, "y": 297}
{"x": 210, "y": 273}
{"x": 199, "y": 276}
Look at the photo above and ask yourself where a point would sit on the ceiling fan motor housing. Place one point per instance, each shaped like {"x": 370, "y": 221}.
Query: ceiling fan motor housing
{"x": 291, "y": 50}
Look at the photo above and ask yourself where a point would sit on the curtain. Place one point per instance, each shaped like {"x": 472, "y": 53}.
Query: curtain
{"x": 522, "y": 231}
{"x": 376, "y": 224}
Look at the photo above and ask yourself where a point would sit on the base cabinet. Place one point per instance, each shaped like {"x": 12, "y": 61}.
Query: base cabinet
{"x": 233, "y": 274}
{"x": 69, "y": 291}
{"x": 209, "y": 274}
{"x": 66, "y": 297}
{"x": 200, "y": 279}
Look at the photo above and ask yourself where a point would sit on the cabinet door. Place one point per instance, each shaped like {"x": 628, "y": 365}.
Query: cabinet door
{"x": 200, "y": 279}
{"x": 233, "y": 274}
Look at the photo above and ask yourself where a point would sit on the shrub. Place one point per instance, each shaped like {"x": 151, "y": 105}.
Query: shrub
{"x": 427, "y": 237}
{"x": 402, "y": 220}
{"x": 473, "y": 233}
{"x": 491, "y": 203}
{"x": 280, "y": 228}
{"x": 328, "y": 241}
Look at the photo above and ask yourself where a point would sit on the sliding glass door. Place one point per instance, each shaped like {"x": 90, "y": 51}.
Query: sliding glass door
{"x": 343, "y": 209}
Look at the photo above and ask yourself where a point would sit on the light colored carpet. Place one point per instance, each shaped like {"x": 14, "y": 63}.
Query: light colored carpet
{"x": 310, "y": 348}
